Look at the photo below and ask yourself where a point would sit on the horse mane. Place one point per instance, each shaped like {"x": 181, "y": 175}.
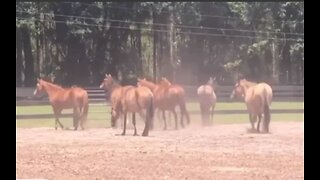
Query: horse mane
{"x": 55, "y": 86}
{"x": 115, "y": 83}
{"x": 250, "y": 82}
{"x": 143, "y": 82}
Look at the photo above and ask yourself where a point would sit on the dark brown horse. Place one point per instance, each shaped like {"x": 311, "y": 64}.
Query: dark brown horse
{"x": 207, "y": 99}
{"x": 258, "y": 98}
{"x": 130, "y": 99}
{"x": 166, "y": 98}
{"x": 66, "y": 98}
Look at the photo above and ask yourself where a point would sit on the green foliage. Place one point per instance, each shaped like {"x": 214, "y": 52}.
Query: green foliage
{"x": 83, "y": 41}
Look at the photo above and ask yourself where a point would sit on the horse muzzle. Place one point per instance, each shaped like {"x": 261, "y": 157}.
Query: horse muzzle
{"x": 35, "y": 92}
{"x": 232, "y": 95}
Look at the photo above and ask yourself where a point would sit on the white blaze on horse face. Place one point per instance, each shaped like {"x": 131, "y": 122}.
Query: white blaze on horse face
{"x": 36, "y": 90}
{"x": 101, "y": 85}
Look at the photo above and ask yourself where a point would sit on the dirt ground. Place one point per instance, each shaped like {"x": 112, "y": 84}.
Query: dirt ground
{"x": 218, "y": 152}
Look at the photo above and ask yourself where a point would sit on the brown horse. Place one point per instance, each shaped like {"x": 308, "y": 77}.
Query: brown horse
{"x": 167, "y": 97}
{"x": 130, "y": 99}
{"x": 258, "y": 98}
{"x": 66, "y": 98}
{"x": 207, "y": 99}
{"x": 115, "y": 90}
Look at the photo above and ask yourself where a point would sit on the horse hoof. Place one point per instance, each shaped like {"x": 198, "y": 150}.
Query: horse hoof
{"x": 136, "y": 134}
{"x": 123, "y": 134}
{"x": 144, "y": 134}
{"x": 164, "y": 129}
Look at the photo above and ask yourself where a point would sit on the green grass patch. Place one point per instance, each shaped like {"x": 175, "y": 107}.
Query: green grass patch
{"x": 193, "y": 106}
{"x": 102, "y": 120}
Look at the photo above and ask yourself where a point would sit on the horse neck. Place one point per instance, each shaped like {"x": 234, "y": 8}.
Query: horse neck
{"x": 249, "y": 83}
{"x": 148, "y": 84}
{"x": 51, "y": 89}
{"x": 114, "y": 86}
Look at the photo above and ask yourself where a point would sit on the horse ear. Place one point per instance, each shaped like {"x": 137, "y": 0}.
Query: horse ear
{"x": 106, "y": 75}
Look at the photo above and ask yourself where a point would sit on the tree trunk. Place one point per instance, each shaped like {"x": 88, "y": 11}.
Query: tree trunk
{"x": 275, "y": 63}
{"x": 99, "y": 57}
{"x": 114, "y": 51}
{"x": 171, "y": 42}
{"x": 140, "y": 66}
{"x": 19, "y": 57}
{"x": 154, "y": 49}
{"x": 71, "y": 62}
{"x": 29, "y": 66}
{"x": 286, "y": 63}
{"x": 82, "y": 78}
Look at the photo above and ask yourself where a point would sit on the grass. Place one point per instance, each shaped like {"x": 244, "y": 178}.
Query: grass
{"x": 102, "y": 120}
{"x": 99, "y": 116}
{"x": 46, "y": 109}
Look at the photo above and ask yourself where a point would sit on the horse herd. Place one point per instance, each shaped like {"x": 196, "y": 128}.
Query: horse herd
{"x": 146, "y": 97}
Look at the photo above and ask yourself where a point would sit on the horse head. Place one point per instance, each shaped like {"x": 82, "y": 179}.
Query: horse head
{"x": 39, "y": 87}
{"x": 107, "y": 82}
{"x": 114, "y": 116}
{"x": 238, "y": 91}
{"x": 165, "y": 81}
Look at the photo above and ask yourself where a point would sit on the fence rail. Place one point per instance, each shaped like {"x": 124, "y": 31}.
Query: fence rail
{"x": 277, "y": 111}
{"x": 24, "y": 96}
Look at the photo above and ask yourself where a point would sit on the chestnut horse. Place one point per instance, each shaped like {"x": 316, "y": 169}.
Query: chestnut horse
{"x": 207, "y": 99}
{"x": 258, "y": 98}
{"x": 167, "y": 97}
{"x": 130, "y": 99}
{"x": 66, "y": 98}
{"x": 115, "y": 90}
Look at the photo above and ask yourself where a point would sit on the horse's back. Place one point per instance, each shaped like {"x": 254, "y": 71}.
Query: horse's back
{"x": 206, "y": 95}
{"x": 257, "y": 96}
{"x": 68, "y": 98}
{"x": 205, "y": 89}
{"x": 175, "y": 92}
{"x": 144, "y": 92}
{"x": 144, "y": 96}
{"x": 266, "y": 90}
{"x": 136, "y": 98}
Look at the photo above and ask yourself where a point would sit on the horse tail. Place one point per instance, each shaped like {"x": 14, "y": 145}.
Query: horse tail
{"x": 137, "y": 98}
{"x": 149, "y": 117}
{"x": 85, "y": 106}
{"x": 150, "y": 112}
{"x": 183, "y": 109}
{"x": 267, "y": 115}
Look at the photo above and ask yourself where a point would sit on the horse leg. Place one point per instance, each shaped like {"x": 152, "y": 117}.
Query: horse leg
{"x": 159, "y": 114}
{"x": 251, "y": 121}
{"x": 83, "y": 120}
{"x": 170, "y": 119}
{"x": 124, "y": 124}
{"x": 76, "y": 117}
{"x": 57, "y": 113}
{"x": 134, "y": 124}
{"x": 202, "y": 117}
{"x": 176, "y": 119}
{"x": 258, "y": 126}
{"x": 212, "y": 111}
{"x": 164, "y": 120}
